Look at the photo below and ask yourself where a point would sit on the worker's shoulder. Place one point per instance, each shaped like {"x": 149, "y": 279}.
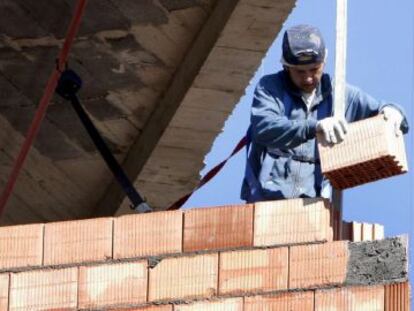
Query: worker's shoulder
{"x": 353, "y": 91}
{"x": 353, "y": 88}
{"x": 272, "y": 81}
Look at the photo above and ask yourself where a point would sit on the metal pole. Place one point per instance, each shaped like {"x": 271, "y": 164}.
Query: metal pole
{"x": 339, "y": 87}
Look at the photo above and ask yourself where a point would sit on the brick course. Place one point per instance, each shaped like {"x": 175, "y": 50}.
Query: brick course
{"x": 350, "y": 299}
{"x": 78, "y": 241}
{"x": 292, "y": 221}
{"x": 255, "y": 270}
{"x": 218, "y": 227}
{"x": 24, "y": 245}
{"x": 113, "y": 284}
{"x": 318, "y": 265}
{"x": 184, "y": 277}
{"x": 44, "y": 290}
{"x": 148, "y": 234}
{"x": 216, "y": 269}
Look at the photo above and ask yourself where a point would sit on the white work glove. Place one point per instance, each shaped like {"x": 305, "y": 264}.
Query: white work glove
{"x": 394, "y": 116}
{"x": 334, "y": 129}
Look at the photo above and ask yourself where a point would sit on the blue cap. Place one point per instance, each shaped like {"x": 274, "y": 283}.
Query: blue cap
{"x": 303, "y": 45}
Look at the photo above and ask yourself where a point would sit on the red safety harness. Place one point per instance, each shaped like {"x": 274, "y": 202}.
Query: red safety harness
{"x": 44, "y": 102}
{"x": 210, "y": 174}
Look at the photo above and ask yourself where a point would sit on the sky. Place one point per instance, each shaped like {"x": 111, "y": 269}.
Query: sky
{"x": 380, "y": 60}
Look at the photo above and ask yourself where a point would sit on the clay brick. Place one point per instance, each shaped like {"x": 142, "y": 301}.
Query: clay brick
{"x": 367, "y": 232}
{"x": 356, "y": 232}
{"x": 292, "y": 221}
{"x": 24, "y": 245}
{"x": 397, "y": 297}
{"x": 346, "y": 231}
{"x": 253, "y": 270}
{"x": 218, "y": 228}
{"x": 78, "y": 241}
{"x": 370, "y": 152}
{"x": 4, "y": 292}
{"x": 317, "y": 265}
{"x": 184, "y": 277}
{"x": 336, "y": 224}
{"x": 301, "y": 301}
{"x": 148, "y": 234}
{"x": 232, "y": 304}
{"x": 379, "y": 233}
{"x": 350, "y": 299}
{"x": 44, "y": 290}
{"x": 112, "y": 284}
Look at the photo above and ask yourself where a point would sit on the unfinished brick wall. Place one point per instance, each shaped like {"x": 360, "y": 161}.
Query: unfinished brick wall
{"x": 280, "y": 255}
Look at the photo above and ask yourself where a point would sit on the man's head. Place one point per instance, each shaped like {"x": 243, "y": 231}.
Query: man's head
{"x": 304, "y": 56}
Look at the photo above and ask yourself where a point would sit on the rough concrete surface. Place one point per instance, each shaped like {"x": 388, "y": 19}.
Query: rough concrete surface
{"x": 380, "y": 261}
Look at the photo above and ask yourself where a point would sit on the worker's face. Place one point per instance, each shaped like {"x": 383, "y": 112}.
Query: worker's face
{"x": 306, "y": 77}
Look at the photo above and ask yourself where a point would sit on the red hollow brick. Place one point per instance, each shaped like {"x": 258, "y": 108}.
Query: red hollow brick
{"x": 24, "y": 245}
{"x": 318, "y": 264}
{"x": 346, "y": 231}
{"x": 378, "y": 232}
{"x": 148, "y": 234}
{"x": 4, "y": 292}
{"x": 301, "y": 301}
{"x": 292, "y": 221}
{"x": 356, "y": 232}
{"x": 397, "y": 297}
{"x": 184, "y": 277}
{"x": 253, "y": 270}
{"x": 367, "y": 232}
{"x": 44, "y": 290}
{"x": 78, "y": 241}
{"x": 112, "y": 284}
{"x": 217, "y": 228}
{"x": 371, "y": 151}
{"x": 350, "y": 299}
{"x": 232, "y": 304}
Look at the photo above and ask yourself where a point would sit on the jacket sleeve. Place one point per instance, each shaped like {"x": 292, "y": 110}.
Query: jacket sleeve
{"x": 271, "y": 128}
{"x": 360, "y": 106}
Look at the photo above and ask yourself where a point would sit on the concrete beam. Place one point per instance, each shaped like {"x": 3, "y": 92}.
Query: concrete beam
{"x": 166, "y": 108}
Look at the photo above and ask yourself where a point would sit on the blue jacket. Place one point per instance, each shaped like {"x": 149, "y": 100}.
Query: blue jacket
{"x": 283, "y": 160}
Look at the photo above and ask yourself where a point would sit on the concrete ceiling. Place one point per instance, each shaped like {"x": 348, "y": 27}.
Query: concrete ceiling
{"x": 160, "y": 79}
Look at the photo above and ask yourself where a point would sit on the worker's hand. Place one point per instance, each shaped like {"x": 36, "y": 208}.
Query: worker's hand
{"x": 394, "y": 116}
{"x": 334, "y": 129}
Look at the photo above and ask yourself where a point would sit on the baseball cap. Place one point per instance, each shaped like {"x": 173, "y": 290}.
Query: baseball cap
{"x": 303, "y": 45}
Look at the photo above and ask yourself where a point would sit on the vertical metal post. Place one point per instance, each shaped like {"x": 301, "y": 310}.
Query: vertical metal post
{"x": 339, "y": 87}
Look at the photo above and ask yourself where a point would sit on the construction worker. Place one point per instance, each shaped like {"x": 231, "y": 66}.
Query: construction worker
{"x": 288, "y": 109}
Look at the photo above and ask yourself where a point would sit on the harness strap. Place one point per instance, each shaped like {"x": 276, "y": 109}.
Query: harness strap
{"x": 44, "y": 102}
{"x": 68, "y": 86}
{"x": 210, "y": 174}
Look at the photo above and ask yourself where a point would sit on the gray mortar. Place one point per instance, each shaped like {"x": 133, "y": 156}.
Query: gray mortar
{"x": 381, "y": 261}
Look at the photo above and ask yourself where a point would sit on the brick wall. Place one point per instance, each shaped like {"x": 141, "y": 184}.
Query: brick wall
{"x": 280, "y": 255}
